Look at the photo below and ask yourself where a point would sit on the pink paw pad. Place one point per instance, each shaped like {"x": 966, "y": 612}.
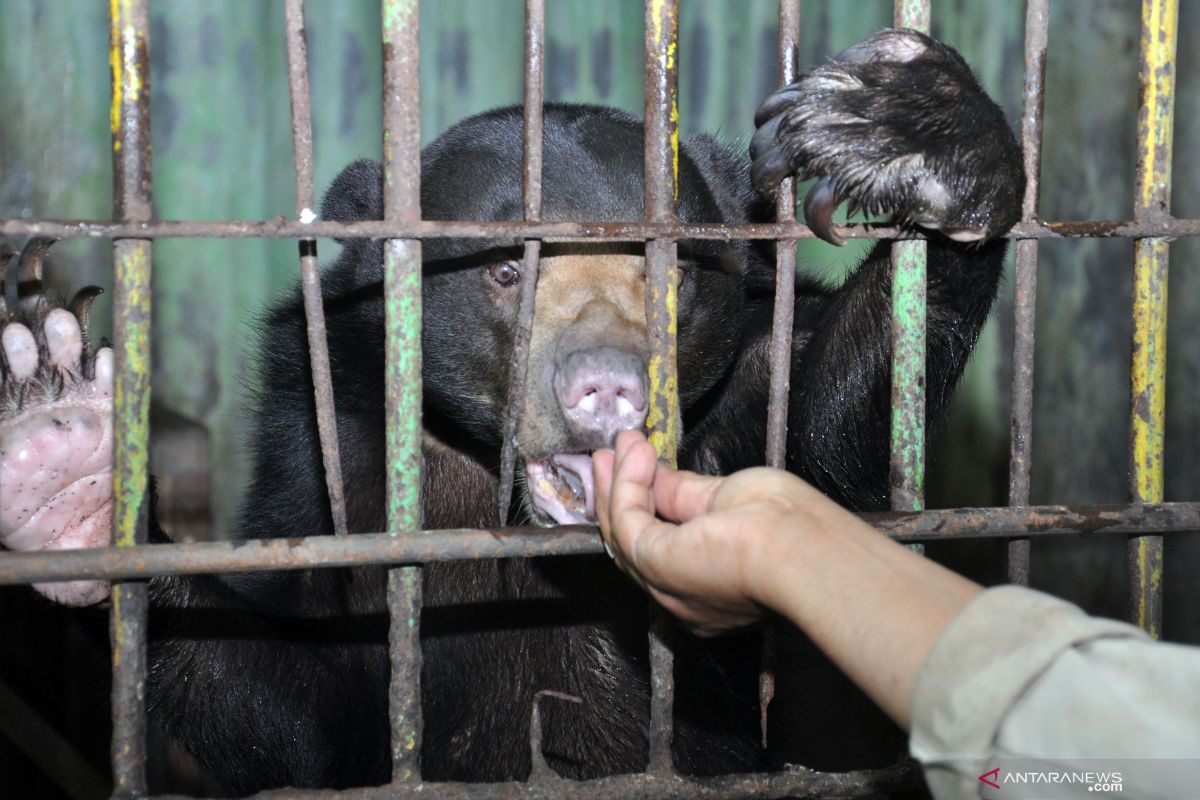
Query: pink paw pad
{"x": 55, "y": 442}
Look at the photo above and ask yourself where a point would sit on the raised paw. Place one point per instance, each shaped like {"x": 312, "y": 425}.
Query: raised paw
{"x": 55, "y": 424}
{"x": 897, "y": 125}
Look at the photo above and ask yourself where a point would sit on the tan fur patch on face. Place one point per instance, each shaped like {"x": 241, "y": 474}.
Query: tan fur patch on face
{"x": 586, "y": 294}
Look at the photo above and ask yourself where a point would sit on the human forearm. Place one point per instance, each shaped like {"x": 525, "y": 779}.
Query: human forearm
{"x": 873, "y": 606}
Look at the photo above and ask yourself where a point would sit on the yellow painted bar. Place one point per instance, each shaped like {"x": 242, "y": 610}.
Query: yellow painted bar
{"x": 1148, "y": 376}
{"x": 129, "y": 60}
{"x": 661, "y": 159}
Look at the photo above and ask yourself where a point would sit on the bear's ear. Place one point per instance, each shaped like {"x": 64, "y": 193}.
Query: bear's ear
{"x": 356, "y": 194}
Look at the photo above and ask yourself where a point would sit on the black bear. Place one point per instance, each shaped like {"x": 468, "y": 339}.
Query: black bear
{"x": 280, "y": 679}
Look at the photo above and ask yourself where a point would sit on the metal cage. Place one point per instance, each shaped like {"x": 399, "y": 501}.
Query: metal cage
{"x": 404, "y": 547}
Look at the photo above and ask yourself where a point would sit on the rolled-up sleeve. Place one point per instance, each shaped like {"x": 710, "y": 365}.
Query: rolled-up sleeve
{"x": 1023, "y": 675}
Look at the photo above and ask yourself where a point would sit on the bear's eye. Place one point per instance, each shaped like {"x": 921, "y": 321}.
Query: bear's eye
{"x": 505, "y": 273}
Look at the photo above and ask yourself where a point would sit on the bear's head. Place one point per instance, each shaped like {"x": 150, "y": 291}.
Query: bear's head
{"x": 589, "y": 345}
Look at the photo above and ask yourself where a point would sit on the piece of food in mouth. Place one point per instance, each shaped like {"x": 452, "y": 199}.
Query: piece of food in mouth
{"x": 562, "y": 487}
{"x": 572, "y": 498}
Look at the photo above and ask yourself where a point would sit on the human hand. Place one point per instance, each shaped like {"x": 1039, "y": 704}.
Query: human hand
{"x": 709, "y": 563}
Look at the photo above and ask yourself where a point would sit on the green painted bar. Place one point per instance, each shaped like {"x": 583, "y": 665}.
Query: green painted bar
{"x": 402, "y": 320}
{"x": 402, "y": 327}
{"x": 908, "y": 340}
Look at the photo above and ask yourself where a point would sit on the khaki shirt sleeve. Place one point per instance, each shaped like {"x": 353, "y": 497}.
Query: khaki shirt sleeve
{"x": 1022, "y": 675}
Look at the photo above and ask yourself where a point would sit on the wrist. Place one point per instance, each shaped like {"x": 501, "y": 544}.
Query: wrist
{"x": 787, "y": 555}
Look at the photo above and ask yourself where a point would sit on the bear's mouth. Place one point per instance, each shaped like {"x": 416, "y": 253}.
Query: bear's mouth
{"x": 562, "y": 488}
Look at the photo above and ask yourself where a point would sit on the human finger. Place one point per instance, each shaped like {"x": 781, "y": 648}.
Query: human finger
{"x": 602, "y": 474}
{"x": 631, "y": 503}
{"x": 680, "y": 495}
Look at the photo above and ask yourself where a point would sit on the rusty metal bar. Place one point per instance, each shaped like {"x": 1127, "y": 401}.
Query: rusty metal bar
{"x": 908, "y": 339}
{"x": 781, "y": 333}
{"x": 129, "y": 43}
{"x": 1025, "y": 291}
{"x": 785, "y": 263}
{"x": 535, "y": 28}
{"x": 1147, "y": 420}
{"x": 540, "y": 771}
{"x": 661, "y": 180}
{"x": 402, "y": 322}
{"x": 902, "y": 780}
{"x": 1167, "y": 227}
{"x": 310, "y": 276}
{"x": 409, "y": 547}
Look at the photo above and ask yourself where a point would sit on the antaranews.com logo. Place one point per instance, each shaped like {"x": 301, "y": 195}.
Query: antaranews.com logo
{"x": 1053, "y": 779}
{"x": 1104, "y": 782}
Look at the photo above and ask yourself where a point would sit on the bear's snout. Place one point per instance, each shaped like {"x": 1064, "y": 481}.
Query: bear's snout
{"x": 600, "y": 391}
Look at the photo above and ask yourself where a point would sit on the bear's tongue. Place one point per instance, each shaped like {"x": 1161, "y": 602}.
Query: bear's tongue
{"x": 562, "y": 488}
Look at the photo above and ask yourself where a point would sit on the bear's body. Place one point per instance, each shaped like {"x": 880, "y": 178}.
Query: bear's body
{"x": 281, "y": 679}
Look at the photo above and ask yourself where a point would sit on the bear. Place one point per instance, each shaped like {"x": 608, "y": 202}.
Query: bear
{"x": 280, "y": 679}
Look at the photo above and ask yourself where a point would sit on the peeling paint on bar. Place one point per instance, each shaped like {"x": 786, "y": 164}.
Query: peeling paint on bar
{"x": 535, "y": 28}
{"x": 310, "y": 276}
{"x": 1025, "y": 281}
{"x": 908, "y": 339}
{"x": 402, "y": 324}
{"x": 130, "y": 118}
{"x": 661, "y": 178}
{"x": 1149, "y": 363}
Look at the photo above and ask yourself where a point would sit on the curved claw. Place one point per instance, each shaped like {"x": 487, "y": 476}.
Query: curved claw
{"x": 777, "y": 103}
{"x": 771, "y": 163}
{"x": 81, "y": 305}
{"x": 5, "y": 258}
{"x": 819, "y": 205}
{"x": 29, "y": 271}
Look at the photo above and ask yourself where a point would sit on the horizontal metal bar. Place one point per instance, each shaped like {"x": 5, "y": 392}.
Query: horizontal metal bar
{"x": 301, "y": 552}
{"x": 792, "y": 782}
{"x": 1166, "y": 227}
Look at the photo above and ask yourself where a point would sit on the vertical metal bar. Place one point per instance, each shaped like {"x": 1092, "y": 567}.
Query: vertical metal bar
{"x": 310, "y": 277}
{"x": 785, "y": 264}
{"x": 402, "y": 320}
{"x": 129, "y": 58}
{"x": 908, "y": 340}
{"x": 661, "y": 170}
{"x": 535, "y": 27}
{"x": 1025, "y": 291}
{"x": 781, "y": 332}
{"x": 1149, "y": 369}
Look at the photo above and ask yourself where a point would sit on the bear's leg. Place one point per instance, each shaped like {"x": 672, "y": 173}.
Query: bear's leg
{"x": 55, "y": 432}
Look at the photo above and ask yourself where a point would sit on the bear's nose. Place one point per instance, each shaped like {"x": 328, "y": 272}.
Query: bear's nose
{"x": 601, "y": 391}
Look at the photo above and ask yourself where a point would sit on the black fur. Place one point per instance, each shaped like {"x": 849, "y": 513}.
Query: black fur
{"x": 280, "y": 679}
